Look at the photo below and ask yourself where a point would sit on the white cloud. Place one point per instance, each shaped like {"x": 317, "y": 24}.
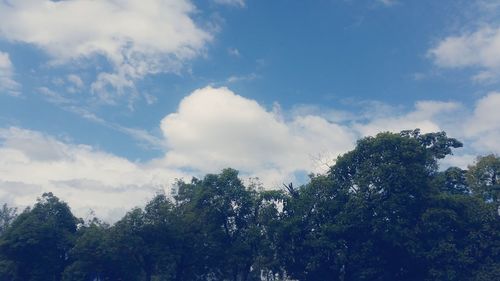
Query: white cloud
{"x": 480, "y": 49}
{"x": 424, "y": 116}
{"x": 239, "y": 78}
{"x": 76, "y": 83}
{"x": 484, "y": 77}
{"x": 7, "y": 83}
{"x": 215, "y": 128}
{"x": 483, "y": 127}
{"x": 136, "y": 37}
{"x": 388, "y": 2}
{"x": 32, "y": 163}
{"x": 461, "y": 160}
{"x": 237, "y": 3}
{"x": 488, "y": 7}
{"x": 233, "y": 52}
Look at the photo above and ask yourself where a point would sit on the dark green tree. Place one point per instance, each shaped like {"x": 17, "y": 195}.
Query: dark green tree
{"x": 384, "y": 211}
{"x": 90, "y": 256}
{"x": 7, "y": 216}
{"x": 160, "y": 234}
{"x": 37, "y": 244}
{"x": 138, "y": 247}
{"x": 357, "y": 222}
{"x": 453, "y": 181}
{"x": 460, "y": 239}
{"x": 484, "y": 179}
{"x": 220, "y": 213}
{"x": 310, "y": 235}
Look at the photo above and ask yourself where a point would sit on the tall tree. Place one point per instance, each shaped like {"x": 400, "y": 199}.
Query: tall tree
{"x": 459, "y": 238}
{"x": 159, "y": 233}
{"x": 357, "y": 223}
{"x": 452, "y": 181}
{"x": 220, "y": 209}
{"x": 7, "y": 216}
{"x": 383, "y": 212}
{"x": 484, "y": 179}
{"x": 90, "y": 256}
{"x": 37, "y": 244}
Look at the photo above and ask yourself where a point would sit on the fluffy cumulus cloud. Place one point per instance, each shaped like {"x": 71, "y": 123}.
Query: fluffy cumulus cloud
{"x": 32, "y": 163}
{"x": 136, "y": 37}
{"x": 7, "y": 83}
{"x": 479, "y": 49}
{"x": 215, "y": 128}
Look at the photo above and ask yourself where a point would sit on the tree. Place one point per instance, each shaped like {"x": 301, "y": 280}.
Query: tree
{"x": 138, "y": 247}
{"x": 267, "y": 214}
{"x": 358, "y": 221}
{"x": 384, "y": 211}
{"x": 460, "y": 239}
{"x": 37, "y": 244}
{"x": 159, "y": 233}
{"x": 453, "y": 181}
{"x": 484, "y": 179}
{"x": 220, "y": 210}
{"x": 388, "y": 181}
{"x": 7, "y": 216}
{"x": 310, "y": 235}
{"x": 129, "y": 251}
{"x": 90, "y": 256}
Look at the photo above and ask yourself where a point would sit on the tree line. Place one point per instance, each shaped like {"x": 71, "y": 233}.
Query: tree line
{"x": 383, "y": 211}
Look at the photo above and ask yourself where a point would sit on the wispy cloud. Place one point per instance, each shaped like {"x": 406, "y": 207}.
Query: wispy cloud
{"x": 7, "y": 83}
{"x": 144, "y": 138}
{"x": 388, "y": 2}
{"x": 233, "y": 52}
{"x": 235, "y": 3}
{"x": 239, "y": 78}
{"x": 137, "y": 38}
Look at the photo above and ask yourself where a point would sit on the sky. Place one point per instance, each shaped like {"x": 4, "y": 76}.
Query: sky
{"x": 107, "y": 103}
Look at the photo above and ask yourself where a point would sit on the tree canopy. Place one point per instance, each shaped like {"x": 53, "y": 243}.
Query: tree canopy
{"x": 383, "y": 211}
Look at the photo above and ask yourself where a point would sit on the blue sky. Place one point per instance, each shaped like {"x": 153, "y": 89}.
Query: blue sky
{"x": 107, "y": 102}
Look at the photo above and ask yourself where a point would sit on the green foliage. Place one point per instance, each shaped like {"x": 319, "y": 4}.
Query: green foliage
{"x": 484, "y": 179}
{"x": 36, "y": 245}
{"x": 223, "y": 216}
{"x": 460, "y": 238}
{"x": 90, "y": 255}
{"x": 369, "y": 218}
{"x": 383, "y": 212}
{"x": 7, "y": 216}
{"x": 453, "y": 181}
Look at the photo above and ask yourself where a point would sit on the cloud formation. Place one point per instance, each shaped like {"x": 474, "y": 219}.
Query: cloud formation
{"x": 214, "y": 128}
{"x": 425, "y": 116}
{"x": 237, "y": 3}
{"x": 483, "y": 127}
{"x": 137, "y": 38}
{"x": 7, "y": 83}
{"x": 32, "y": 163}
{"x": 479, "y": 49}
{"x": 388, "y": 2}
